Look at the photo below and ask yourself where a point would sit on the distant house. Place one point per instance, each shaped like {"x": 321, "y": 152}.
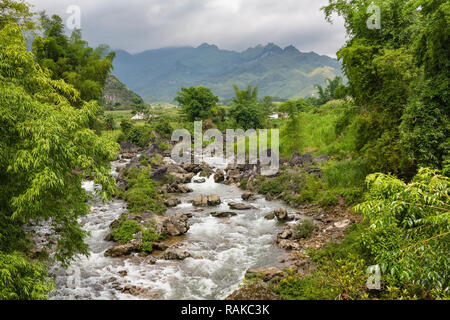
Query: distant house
{"x": 139, "y": 116}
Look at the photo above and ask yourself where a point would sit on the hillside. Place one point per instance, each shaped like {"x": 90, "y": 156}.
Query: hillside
{"x": 285, "y": 73}
{"x": 116, "y": 94}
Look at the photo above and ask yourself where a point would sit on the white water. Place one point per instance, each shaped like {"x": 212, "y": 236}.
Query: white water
{"x": 224, "y": 250}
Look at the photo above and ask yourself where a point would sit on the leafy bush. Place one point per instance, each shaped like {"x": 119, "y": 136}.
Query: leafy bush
{"x": 142, "y": 194}
{"x": 149, "y": 236}
{"x": 304, "y": 229}
{"x": 409, "y": 232}
{"x": 22, "y": 279}
{"x": 124, "y": 231}
{"x": 344, "y": 279}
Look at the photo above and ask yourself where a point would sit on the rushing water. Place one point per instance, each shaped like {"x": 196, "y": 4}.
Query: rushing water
{"x": 223, "y": 249}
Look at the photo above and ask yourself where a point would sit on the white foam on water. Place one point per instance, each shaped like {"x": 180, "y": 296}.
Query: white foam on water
{"x": 222, "y": 250}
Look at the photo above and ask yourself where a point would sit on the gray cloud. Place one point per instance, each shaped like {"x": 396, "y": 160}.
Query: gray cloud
{"x": 138, "y": 25}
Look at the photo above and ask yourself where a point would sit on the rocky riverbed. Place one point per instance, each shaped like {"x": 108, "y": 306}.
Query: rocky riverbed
{"x": 218, "y": 234}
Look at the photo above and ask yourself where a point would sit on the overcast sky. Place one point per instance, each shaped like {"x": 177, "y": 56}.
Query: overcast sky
{"x": 138, "y": 25}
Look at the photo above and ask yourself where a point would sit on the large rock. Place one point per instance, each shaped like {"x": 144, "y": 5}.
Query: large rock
{"x": 206, "y": 200}
{"x": 175, "y": 188}
{"x": 240, "y": 206}
{"x": 300, "y": 160}
{"x": 158, "y": 174}
{"x": 257, "y": 291}
{"x": 281, "y": 214}
{"x": 174, "y": 253}
{"x": 122, "y": 249}
{"x": 248, "y": 196}
{"x": 173, "y": 225}
{"x": 266, "y": 274}
{"x": 129, "y": 147}
{"x": 183, "y": 178}
{"x": 219, "y": 176}
{"x": 225, "y": 214}
{"x": 172, "y": 202}
{"x": 270, "y": 216}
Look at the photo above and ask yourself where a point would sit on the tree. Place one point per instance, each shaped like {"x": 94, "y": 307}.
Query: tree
{"x": 47, "y": 151}
{"x": 335, "y": 89}
{"x": 196, "y": 102}
{"x": 18, "y": 12}
{"x": 245, "y": 109}
{"x": 380, "y": 68}
{"x": 291, "y": 132}
{"x": 267, "y": 106}
{"x": 426, "y": 122}
{"x": 409, "y": 233}
{"x": 71, "y": 59}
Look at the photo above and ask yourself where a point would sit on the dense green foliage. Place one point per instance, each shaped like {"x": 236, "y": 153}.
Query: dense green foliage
{"x": 142, "y": 194}
{"x": 399, "y": 76}
{"x": 196, "y": 102}
{"x": 47, "y": 149}
{"x": 409, "y": 234}
{"x": 246, "y": 111}
{"x": 17, "y": 12}
{"x": 335, "y": 89}
{"x": 71, "y": 59}
{"x": 21, "y": 279}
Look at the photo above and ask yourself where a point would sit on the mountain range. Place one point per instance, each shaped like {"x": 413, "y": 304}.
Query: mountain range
{"x": 157, "y": 75}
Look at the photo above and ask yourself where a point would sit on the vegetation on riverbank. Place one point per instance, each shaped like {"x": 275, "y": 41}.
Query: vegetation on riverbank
{"x": 382, "y": 149}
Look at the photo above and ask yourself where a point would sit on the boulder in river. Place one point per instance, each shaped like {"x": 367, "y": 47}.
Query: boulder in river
{"x": 219, "y": 176}
{"x": 174, "y": 253}
{"x": 206, "y": 200}
{"x": 173, "y": 225}
{"x": 175, "y": 188}
{"x": 247, "y": 196}
{"x": 240, "y": 206}
{"x": 183, "y": 178}
{"x": 270, "y": 216}
{"x": 158, "y": 174}
{"x": 202, "y": 180}
{"x": 281, "y": 214}
{"x": 172, "y": 202}
{"x": 122, "y": 249}
{"x": 224, "y": 214}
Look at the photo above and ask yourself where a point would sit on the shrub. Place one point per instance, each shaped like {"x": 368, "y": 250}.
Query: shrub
{"x": 124, "y": 231}
{"x": 149, "y": 236}
{"x": 344, "y": 279}
{"x": 304, "y": 229}
{"x": 409, "y": 228}
{"x": 142, "y": 194}
{"x": 22, "y": 279}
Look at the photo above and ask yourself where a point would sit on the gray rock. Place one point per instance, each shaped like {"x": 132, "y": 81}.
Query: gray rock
{"x": 247, "y": 196}
{"x": 172, "y": 202}
{"x": 206, "y": 200}
{"x": 240, "y": 206}
{"x": 300, "y": 160}
{"x": 158, "y": 174}
{"x": 225, "y": 214}
{"x": 174, "y": 253}
{"x": 219, "y": 176}
{"x": 281, "y": 214}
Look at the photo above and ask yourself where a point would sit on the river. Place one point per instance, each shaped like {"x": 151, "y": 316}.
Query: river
{"x": 223, "y": 249}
